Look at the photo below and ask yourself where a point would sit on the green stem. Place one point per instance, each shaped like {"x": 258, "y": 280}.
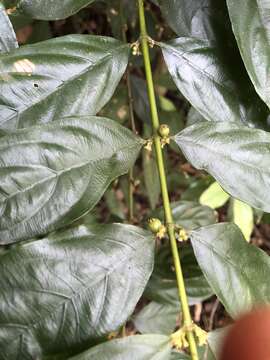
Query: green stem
{"x": 132, "y": 121}
{"x": 163, "y": 182}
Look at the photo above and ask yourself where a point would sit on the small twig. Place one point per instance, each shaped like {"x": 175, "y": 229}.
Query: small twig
{"x": 212, "y": 315}
{"x": 211, "y": 325}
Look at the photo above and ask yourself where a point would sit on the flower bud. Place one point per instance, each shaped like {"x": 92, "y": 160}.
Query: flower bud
{"x": 164, "y": 130}
{"x": 154, "y": 225}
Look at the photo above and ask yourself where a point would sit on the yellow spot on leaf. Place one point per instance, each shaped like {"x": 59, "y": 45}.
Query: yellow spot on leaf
{"x": 24, "y": 66}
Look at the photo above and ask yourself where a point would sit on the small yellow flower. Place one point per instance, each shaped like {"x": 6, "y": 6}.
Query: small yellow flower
{"x": 149, "y": 144}
{"x": 182, "y": 235}
{"x": 179, "y": 339}
{"x": 201, "y": 335}
{"x": 162, "y": 231}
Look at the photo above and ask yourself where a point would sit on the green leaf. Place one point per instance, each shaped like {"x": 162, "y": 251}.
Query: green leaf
{"x": 157, "y": 318}
{"x": 205, "y": 63}
{"x": 200, "y": 19}
{"x": 190, "y": 215}
{"x": 253, "y": 38}
{"x": 70, "y": 75}
{"x": 8, "y": 39}
{"x": 140, "y": 99}
{"x": 166, "y": 104}
{"x": 129, "y": 16}
{"x": 62, "y": 292}
{"x": 236, "y": 156}
{"x": 50, "y": 10}
{"x": 214, "y": 196}
{"x": 114, "y": 204}
{"x": 162, "y": 287}
{"x": 51, "y": 175}
{"x": 242, "y": 215}
{"x": 137, "y": 347}
{"x": 236, "y": 271}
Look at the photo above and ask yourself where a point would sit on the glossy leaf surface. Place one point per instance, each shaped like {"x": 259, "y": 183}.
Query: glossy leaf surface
{"x": 137, "y": 347}
{"x": 8, "y": 39}
{"x": 205, "y": 64}
{"x": 50, "y": 10}
{"x": 236, "y": 156}
{"x": 61, "y": 292}
{"x": 70, "y": 75}
{"x": 251, "y": 25}
{"x": 236, "y": 271}
{"x": 51, "y": 175}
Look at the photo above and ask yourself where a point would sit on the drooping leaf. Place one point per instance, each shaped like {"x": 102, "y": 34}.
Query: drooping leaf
{"x": 251, "y": 27}
{"x": 237, "y": 271}
{"x": 70, "y": 75}
{"x": 115, "y": 205}
{"x": 62, "y": 292}
{"x": 214, "y": 196}
{"x": 166, "y": 104}
{"x": 205, "y": 63}
{"x": 8, "y": 39}
{"x": 50, "y": 10}
{"x": 200, "y": 19}
{"x": 190, "y": 215}
{"x": 140, "y": 99}
{"x": 242, "y": 215}
{"x": 51, "y": 175}
{"x": 157, "y": 318}
{"x": 162, "y": 286}
{"x": 236, "y": 156}
{"x": 129, "y": 14}
{"x": 137, "y": 347}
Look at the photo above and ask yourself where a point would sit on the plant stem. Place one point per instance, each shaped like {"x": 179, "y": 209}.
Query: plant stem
{"x": 132, "y": 121}
{"x": 163, "y": 182}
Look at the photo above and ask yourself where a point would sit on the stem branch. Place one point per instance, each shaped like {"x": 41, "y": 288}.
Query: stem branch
{"x": 163, "y": 182}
